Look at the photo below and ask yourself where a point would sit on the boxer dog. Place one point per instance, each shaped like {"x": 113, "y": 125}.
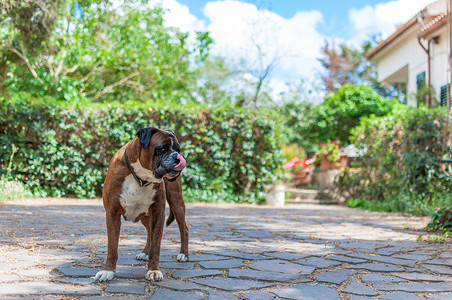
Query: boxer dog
{"x": 141, "y": 176}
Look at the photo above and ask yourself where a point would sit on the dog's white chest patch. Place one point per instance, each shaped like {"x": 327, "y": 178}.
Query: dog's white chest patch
{"x": 134, "y": 199}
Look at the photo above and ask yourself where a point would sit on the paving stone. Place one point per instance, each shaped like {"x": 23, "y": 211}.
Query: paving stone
{"x": 378, "y": 278}
{"x": 347, "y": 259}
{"x": 267, "y": 276}
{"x": 203, "y": 257}
{"x": 222, "y": 264}
{"x": 307, "y": 291}
{"x": 230, "y": 284}
{"x": 439, "y": 296}
{"x": 104, "y": 298}
{"x": 76, "y": 280}
{"x": 336, "y": 277}
{"x": 38, "y": 273}
{"x": 130, "y": 272}
{"x": 417, "y": 257}
{"x": 126, "y": 287}
{"x": 287, "y": 255}
{"x": 282, "y": 266}
{"x": 257, "y": 234}
{"x": 439, "y": 269}
{"x": 317, "y": 262}
{"x": 78, "y": 271}
{"x": 441, "y": 262}
{"x": 160, "y": 294}
{"x": 376, "y": 267}
{"x": 44, "y": 288}
{"x": 359, "y": 289}
{"x": 176, "y": 265}
{"x": 176, "y": 284}
{"x": 354, "y": 297}
{"x": 238, "y": 254}
{"x": 9, "y": 278}
{"x": 423, "y": 277}
{"x": 218, "y": 295}
{"x": 259, "y": 295}
{"x": 366, "y": 245}
{"x": 385, "y": 259}
{"x": 416, "y": 287}
{"x": 196, "y": 273}
{"x": 56, "y": 263}
{"x": 400, "y": 296}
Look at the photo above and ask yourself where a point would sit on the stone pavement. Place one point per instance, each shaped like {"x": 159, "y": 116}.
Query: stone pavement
{"x": 50, "y": 248}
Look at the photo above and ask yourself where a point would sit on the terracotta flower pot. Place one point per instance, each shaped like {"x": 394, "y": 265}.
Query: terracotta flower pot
{"x": 327, "y": 165}
{"x": 300, "y": 177}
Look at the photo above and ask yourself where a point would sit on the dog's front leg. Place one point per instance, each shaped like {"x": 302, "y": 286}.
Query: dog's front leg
{"x": 155, "y": 230}
{"x": 177, "y": 207}
{"x": 113, "y": 231}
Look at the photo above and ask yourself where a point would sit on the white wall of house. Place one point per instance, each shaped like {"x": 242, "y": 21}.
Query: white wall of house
{"x": 439, "y": 61}
{"x": 403, "y": 59}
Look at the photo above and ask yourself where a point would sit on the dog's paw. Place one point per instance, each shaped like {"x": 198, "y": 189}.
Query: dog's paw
{"x": 104, "y": 275}
{"x": 142, "y": 256}
{"x": 154, "y": 275}
{"x": 182, "y": 257}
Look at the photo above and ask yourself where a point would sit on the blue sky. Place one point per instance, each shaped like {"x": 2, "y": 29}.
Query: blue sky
{"x": 290, "y": 31}
{"x": 336, "y": 22}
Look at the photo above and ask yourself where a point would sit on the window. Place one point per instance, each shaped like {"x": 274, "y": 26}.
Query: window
{"x": 420, "y": 81}
{"x": 443, "y": 95}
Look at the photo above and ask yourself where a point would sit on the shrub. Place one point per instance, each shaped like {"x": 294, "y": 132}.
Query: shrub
{"x": 65, "y": 150}
{"x": 401, "y": 168}
{"x": 441, "y": 219}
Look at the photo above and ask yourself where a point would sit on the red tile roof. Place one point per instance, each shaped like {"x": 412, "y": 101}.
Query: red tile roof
{"x": 431, "y": 26}
{"x": 434, "y": 24}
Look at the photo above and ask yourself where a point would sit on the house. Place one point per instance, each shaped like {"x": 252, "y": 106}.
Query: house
{"x": 417, "y": 55}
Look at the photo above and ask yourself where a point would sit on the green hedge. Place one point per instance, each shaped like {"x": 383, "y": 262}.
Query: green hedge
{"x": 65, "y": 150}
{"x": 401, "y": 168}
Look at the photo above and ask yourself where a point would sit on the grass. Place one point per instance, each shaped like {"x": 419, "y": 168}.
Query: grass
{"x": 11, "y": 189}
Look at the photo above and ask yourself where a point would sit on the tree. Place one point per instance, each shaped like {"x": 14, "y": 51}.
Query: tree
{"x": 340, "y": 66}
{"x": 348, "y": 65}
{"x": 102, "y": 52}
{"x": 344, "y": 110}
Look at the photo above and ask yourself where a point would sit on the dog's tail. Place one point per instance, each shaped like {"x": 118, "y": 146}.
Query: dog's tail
{"x": 170, "y": 218}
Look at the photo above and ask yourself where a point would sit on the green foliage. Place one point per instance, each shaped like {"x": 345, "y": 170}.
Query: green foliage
{"x": 308, "y": 125}
{"x": 329, "y": 151}
{"x": 299, "y": 117}
{"x": 65, "y": 150}
{"x": 293, "y": 150}
{"x": 103, "y": 53}
{"x": 400, "y": 170}
{"x": 441, "y": 219}
{"x": 338, "y": 114}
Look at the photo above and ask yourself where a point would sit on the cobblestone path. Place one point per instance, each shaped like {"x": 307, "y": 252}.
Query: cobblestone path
{"x": 50, "y": 248}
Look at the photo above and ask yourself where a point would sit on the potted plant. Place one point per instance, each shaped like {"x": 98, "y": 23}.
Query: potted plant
{"x": 329, "y": 156}
{"x": 299, "y": 169}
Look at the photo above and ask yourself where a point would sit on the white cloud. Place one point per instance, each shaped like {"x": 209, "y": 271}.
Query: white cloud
{"x": 178, "y": 15}
{"x": 383, "y": 18}
{"x": 238, "y": 29}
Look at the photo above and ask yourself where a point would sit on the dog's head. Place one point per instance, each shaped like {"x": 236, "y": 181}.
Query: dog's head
{"x": 160, "y": 152}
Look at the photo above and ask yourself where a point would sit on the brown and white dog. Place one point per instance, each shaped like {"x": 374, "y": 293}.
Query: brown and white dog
{"x": 141, "y": 175}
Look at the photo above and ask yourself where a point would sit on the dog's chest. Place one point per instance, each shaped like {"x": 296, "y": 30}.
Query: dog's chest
{"x": 136, "y": 200}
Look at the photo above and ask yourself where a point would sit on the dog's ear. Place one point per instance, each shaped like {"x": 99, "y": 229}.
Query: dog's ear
{"x": 145, "y": 135}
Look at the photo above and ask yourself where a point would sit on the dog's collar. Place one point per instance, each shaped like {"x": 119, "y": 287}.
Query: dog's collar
{"x": 140, "y": 181}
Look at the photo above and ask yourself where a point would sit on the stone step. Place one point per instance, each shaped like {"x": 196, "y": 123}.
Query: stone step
{"x": 298, "y": 196}
{"x": 311, "y": 201}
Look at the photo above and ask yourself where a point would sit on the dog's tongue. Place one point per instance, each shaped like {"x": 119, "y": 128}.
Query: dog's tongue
{"x": 182, "y": 163}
